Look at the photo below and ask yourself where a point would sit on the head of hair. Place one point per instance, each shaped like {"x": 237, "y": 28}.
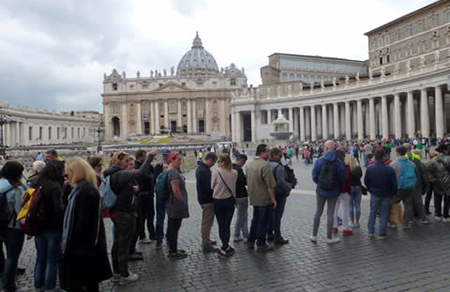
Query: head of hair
{"x": 53, "y": 171}
{"x": 417, "y": 152}
{"x": 351, "y": 162}
{"x": 274, "y": 151}
{"x": 12, "y": 171}
{"x": 81, "y": 170}
{"x": 140, "y": 153}
{"x": 379, "y": 154}
{"x": 225, "y": 158}
{"x": 38, "y": 166}
{"x": 52, "y": 152}
{"x": 341, "y": 154}
{"x": 210, "y": 156}
{"x": 407, "y": 146}
{"x": 118, "y": 157}
{"x": 261, "y": 149}
{"x": 172, "y": 156}
{"x": 95, "y": 161}
{"x": 329, "y": 145}
{"x": 401, "y": 150}
{"x": 432, "y": 154}
{"x": 241, "y": 157}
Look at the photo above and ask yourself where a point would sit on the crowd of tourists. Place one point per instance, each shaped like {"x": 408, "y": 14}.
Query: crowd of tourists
{"x": 63, "y": 204}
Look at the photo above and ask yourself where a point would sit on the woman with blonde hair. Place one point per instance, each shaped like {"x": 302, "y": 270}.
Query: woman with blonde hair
{"x": 84, "y": 258}
{"x": 356, "y": 190}
{"x": 223, "y": 184}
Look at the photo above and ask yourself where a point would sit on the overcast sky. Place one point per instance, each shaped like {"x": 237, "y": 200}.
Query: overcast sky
{"x": 53, "y": 53}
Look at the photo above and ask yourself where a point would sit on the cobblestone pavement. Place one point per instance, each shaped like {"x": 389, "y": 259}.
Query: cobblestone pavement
{"x": 417, "y": 259}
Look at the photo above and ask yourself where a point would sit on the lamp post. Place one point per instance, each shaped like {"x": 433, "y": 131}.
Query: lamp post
{"x": 99, "y": 130}
{"x": 4, "y": 119}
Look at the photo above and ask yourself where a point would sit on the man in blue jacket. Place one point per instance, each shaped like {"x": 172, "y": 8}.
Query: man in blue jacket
{"x": 205, "y": 199}
{"x": 381, "y": 182}
{"x": 329, "y": 175}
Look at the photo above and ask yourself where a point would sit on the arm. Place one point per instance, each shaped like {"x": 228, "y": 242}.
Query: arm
{"x": 272, "y": 197}
{"x": 367, "y": 180}
{"x": 270, "y": 183}
{"x": 175, "y": 184}
{"x": 214, "y": 179}
{"x": 316, "y": 170}
{"x": 126, "y": 176}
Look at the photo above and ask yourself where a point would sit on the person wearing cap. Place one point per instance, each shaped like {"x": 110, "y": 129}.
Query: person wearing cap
{"x": 160, "y": 204}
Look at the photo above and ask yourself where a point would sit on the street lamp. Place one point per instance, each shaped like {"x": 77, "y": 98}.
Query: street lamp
{"x": 4, "y": 119}
{"x": 99, "y": 130}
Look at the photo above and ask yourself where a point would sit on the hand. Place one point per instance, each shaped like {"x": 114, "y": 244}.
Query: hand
{"x": 153, "y": 152}
{"x": 274, "y": 203}
{"x": 136, "y": 189}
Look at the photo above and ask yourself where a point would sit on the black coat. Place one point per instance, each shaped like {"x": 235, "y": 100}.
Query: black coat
{"x": 51, "y": 195}
{"x": 85, "y": 259}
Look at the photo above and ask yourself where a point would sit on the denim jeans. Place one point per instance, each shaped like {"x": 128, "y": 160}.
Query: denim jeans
{"x": 274, "y": 226}
{"x": 320, "y": 204}
{"x": 428, "y": 197}
{"x": 48, "y": 247}
{"x": 258, "y": 229}
{"x": 355, "y": 204}
{"x": 438, "y": 204}
{"x": 224, "y": 210}
{"x": 13, "y": 240}
{"x": 160, "y": 216}
{"x": 384, "y": 204}
{"x": 241, "y": 217}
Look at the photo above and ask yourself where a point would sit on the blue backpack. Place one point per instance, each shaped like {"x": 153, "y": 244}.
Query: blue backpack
{"x": 109, "y": 198}
{"x": 408, "y": 178}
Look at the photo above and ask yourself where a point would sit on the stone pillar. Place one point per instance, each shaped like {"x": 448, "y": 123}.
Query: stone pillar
{"x": 359, "y": 115}
{"x": 354, "y": 118}
{"x": 384, "y": 117}
{"x": 313, "y": 123}
{"x": 179, "y": 116}
{"x": 319, "y": 121}
{"x": 139, "y": 119}
{"x": 336, "y": 119}
{"x": 302, "y": 123}
{"x": 253, "y": 118}
{"x": 324, "y": 122}
{"x": 157, "y": 116}
{"x": 308, "y": 122}
{"x": 296, "y": 132}
{"x": 189, "y": 116}
{"x": 397, "y": 115}
{"x": 194, "y": 116}
{"x": 424, "y": 117}
{"x": 208, "y": 120}
{"x": 291, "y": 120}
{"x": 348, "y": 133}
{"x": 233, "y": 125}
{"x": 410, "y": 111}
{"x": 166, "y": 115}
{"x": 439, "y": 107}
{"x": 372, "y": 118}
{"x": 123, "y": 123}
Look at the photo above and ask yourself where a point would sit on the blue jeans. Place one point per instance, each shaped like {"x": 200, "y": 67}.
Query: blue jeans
{"x": 366, "y": 160}
{"x": 224, "y": 210}
{"x": 160, "y": 216}
{"x": 355, "y": 203}
{"x": 274, "y": 226}
{"x": 13, "y": 240}
{"x": 48, "y": 247}
{"x": 241, "y": 217}
{"x": 258, "y": 229}
{"x": 384, "y": 203}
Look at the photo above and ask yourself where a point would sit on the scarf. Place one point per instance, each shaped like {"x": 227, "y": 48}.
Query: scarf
{"x": 69, "y": 216}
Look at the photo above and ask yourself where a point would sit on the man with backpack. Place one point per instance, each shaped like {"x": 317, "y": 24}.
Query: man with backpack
{"x": 282, "y": 191}
{"x": 406, "y": 174}
{"x": 329, "y": 175}
{"x": 205, "y": 199}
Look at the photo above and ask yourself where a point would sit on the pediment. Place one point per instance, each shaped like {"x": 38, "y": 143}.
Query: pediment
{"x": 171, "y": 87}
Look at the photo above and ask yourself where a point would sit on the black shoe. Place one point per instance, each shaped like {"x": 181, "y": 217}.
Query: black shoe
{"x": 281, "y": 240}
{"x": 251, "y": 245}
{"x": 212, "y": 242}
{"x": 270, "y": 237}
{"x": 135, "y": 257}
{"x": 20, "y": 271}
{"x": 264, "y": 248}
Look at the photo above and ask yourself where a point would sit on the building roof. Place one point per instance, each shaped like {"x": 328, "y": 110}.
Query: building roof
{"x": 197, "y": 58}
{"x": 318, "y": 57}
{"x": 406, "y": 16}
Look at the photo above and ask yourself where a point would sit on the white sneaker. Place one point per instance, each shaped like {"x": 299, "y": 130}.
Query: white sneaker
{"x": 424, "y": 221}
{"x": 245, "y": 239}
{"x": 313, "y": 238}
{"x": 130, "y": 279}
{"x": 237, "y": 239}
{"x": 332, "y": 240}
{"x": 145, "y": 240}
{"x": 445, "y": 220}
{"x": 437, "y": 218}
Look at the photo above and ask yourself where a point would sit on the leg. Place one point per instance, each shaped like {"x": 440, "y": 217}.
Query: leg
{"x": 418, "y": 204}
{"x": 137, "y": 230}
{"x": 140, "y": 222}
{"x": 428, "y": 197}
{"x": 239, "y": 217}
{"x": 331, "y": 202}
{"x": 207, "y": 223}
{"x": 219, "y": 211}
{"x": 262, "y": 225}
{"x": 41, "y": 261}
{"x": 446, "y": 206}
{"x": 374, "y": 204}
{"x": 320, "y": 204}
{"x": 151, "y": 217}
{"x": 175, "y": 227}
{"x": 245, "y": 218}
{"x": 336, "y": 211}
{"x": 408, "y": 205}
{"x": 53, "y": 252}
{"x": 345, "y": 203}
{"x": 270, "y": 222}
{"x": 115, "y": 248}
{"x": 254, "y": 224}
{"x": 385, "y": 206}
{"x": 357, "y": 205}
{"x": 14, "y": 244}
{"x": 281, "y": 202}
{"x": 437, "y": 204}
{"x": 125, "y": 226}
{"x": 228, "y": 216}
{"x": 352, "y": 205}
{"x": 160, "y": 216}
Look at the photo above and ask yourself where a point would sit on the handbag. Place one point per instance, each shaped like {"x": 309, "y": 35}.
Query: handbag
{"x": 225, "y": 183}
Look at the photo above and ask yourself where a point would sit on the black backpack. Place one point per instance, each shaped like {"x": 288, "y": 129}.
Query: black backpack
{"x": 290, "y": 176}
{"x": 327, "y": 178}
{"x": 5, "y": 215}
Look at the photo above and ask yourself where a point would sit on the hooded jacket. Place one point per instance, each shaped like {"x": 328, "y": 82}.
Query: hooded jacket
{"x": 14, "y": 200}
{"x": 339, "y": 171}
{"x": 122, "y": 184}
{"x": 437, "y": 171}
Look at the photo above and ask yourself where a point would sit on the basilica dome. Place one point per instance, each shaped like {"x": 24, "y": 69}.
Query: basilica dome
{"x": 197, "y": 59}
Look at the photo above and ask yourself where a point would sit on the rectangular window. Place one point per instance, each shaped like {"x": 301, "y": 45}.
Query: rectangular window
{"x": 57, "y": 133}
{"x": 434, "y": 20}
{"x": 78, "y": 133}
{"x": 381, "y": 60}
{"x": 380, "y": 42}
{"x": 232, "y": 81}
{"x": 420, "y": 27}
{"x": 395, "y": 36}
{"x": 114, "y": 86}
{"x": 30, "y": 133}
{"x": 386, "y": 40}
{"x": 40, "y": 133}
{"x": 408, "y": 31}
{"x": 388, "y": 58}
{"x": 49, "y": 133}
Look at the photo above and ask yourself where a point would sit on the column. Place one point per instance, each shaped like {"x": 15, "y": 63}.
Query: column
{"x": 424, "y": 117}
{"x": 308, "y": 123}
{"x": 233, "y": 125}
{"x": 319, "y": 121}
{"x": 194, "y": 116}
{"x": 208, "y": 121}
{"x": 302, "y": 123}
{"x": 410, "y": 111}
{"x": 336, "y": 119}
{"x": 348, "y": 133}
{"x": 179, "y": 116}
{"x": 166, "y": 115}
{"x": 384, "y": 117}
{"x": 296, "y": 131}
{"x": 291, "y": 120}
{"x": 439, "y": 113}
{"x": 359, "y": 115}
{"x": 313, "y": 123}
{"x": 189, "y": 116}
{"x": 139, "y": 119}
{"x": 372, "y": 118}
{"x": 253, "y": 118}
{"x": 324, "y": 122}
{"x": 342, "y": 121}
{"x": 269, "y": 116}
{"x": 354, "y": 118}
{"x": 157, "y": 116}
{"x": 397, "y": 115}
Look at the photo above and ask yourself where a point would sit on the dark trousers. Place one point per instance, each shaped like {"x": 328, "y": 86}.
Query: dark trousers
{"x": 428, "y": 197}
{"x": 87, "y": 288}
{"x": 13, "y": 240}
{"x": 438, "y": 204}
{"x": 224, "y": 210}
{"x": 137, "y": 230}
{"x": 258, "y": 228}
{"x": 160, "y": 216}
{"x": 274, "y": 225}
{"x": 124, "y": 225}
{"x": 147, "y": 205}
{"x": 173, "y": 226}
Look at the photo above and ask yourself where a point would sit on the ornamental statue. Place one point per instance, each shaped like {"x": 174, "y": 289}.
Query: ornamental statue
{"x": 151, "y": 73}
{"x": 138, "y": 74}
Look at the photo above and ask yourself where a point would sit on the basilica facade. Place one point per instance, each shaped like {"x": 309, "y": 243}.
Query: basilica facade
{"x": 193, "y": 100}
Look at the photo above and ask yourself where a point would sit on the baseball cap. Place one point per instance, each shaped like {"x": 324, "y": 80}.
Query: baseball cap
{"x": 166, "y": 152}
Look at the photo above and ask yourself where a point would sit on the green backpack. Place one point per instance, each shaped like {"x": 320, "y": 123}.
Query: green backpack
{"x": 162, "y": 186}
